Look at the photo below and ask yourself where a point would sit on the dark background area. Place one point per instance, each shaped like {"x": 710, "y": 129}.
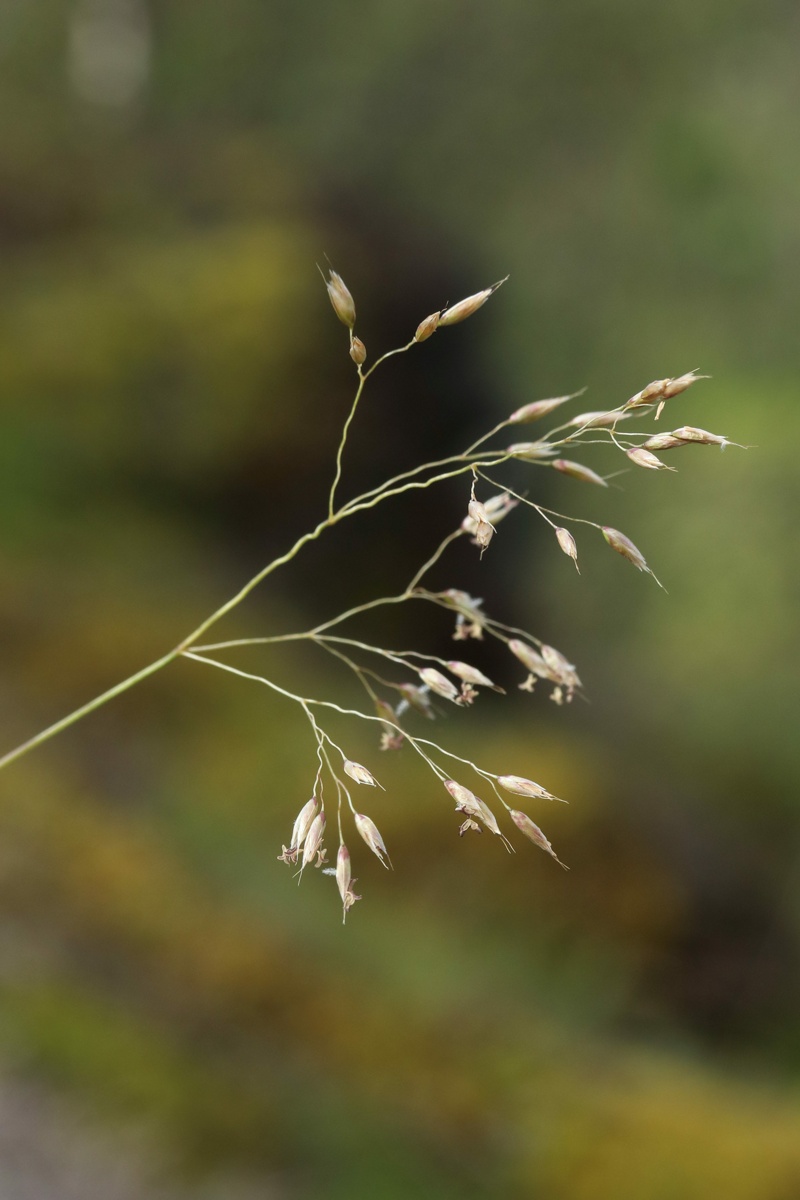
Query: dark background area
{"x": 176, "y": 1018}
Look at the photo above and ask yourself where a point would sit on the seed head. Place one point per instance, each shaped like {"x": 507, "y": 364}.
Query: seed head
{"x": 343, "y": 870}
{"x": 597, "y": 419}
{"x": 624, "y": 546}
{"x": 674, "y": 387}
{"x": 313, "y": 838}
{"x": 358, "y": 351}
{"x": 525, "y": 825}
{"x": 578, "y": 471}
{"x": 427, "y": 327}
{"x": 648, "y": 395}
{"x": 303, "y": 823}
{"x": 470, "y": 804}
{"x": 472, "y": 675}
{"x": 567, "y": 543}
{"x": 465, "y": 308}
{"x": 495, "y": 508}
{"x": 359, "y": 773}
{"x": 339, "y": 296}
{"x": 531, "y": 450}
{"x": 530, "y": 659}
{"x": 561, "y": 669}
{"x": 539, "y": 408}
{"x": 369, "y": 832}
{"x": 344, "y": 881}
{"x": 688, "y": 433}
{"x": 644, "y": 458}
{"x": 525, "y": 787}
{"x": 663, "y": 441}
{"x": 440, "y": 684}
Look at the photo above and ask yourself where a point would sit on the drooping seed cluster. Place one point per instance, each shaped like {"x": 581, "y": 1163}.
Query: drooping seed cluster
{"x": 426, "y": 679}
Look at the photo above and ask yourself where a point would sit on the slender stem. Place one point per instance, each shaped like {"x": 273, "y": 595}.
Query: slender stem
{"x": 98, "y": 701}
{"x": 362, "y": 379}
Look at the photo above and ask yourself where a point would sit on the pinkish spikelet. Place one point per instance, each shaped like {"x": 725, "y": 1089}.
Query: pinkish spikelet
{"x": 525, "y": 825}
{"x": 360, "y": 774}
{"x": 578, "y": 471}
{"x": 371, "y": 835}
{"x": 465, "y": 308}
{"x": 568, "y": 544}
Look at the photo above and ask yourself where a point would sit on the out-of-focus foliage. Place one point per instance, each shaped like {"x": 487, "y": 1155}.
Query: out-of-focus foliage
{"x": 172, "y": 382}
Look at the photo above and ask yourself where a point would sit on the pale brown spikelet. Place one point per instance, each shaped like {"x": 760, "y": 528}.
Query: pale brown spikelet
{"x": 663, "y": 441}
{"x": 313, "y": 839}
{"x": 645, "y": 458}
{"x": 344, "y": 881}
{"x": 525, "y": 825}
{"x": 470, "y": 804}
{"x": 662, "y": 390}
{"x": 465, "y": 308}
{"x": 530, "y": 658}
{"x": 358, "y": 351}
{"x": 624, "y": 546}
{"x": 472, "y": 675}
{"x": 568, "y": 544}
{"x": 427, "y": 327}
{"x": 674, "y": 387}
{"x": 520, "y": 786}
{"x": 360, "y": 774}
{"x": 495, "y": 508}
{"x": 578, "y": 471}
{"x": 339, "y": 295}
{"x": 303, "y": 823}
{"x": 561, "y": 669}
{"x": 689, "y": 433}
{"x": 531, "y": 451}
{"x": 470, "y": 618}
{"x": 416, "y": 698}
{"x": 371, "y": 835}
{"x": 392, "y": 738}
{"x": 538, "y": 409}
{"x": 440, "y": 684}
{"x": 595, "y": 420}
{"x": 648, "y": 395}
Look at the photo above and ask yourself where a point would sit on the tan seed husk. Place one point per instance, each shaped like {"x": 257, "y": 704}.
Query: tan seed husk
{"x": 371, "y": 835}
{"x": 358, "y": 351}
{"x": 525, "y": 825}
{"x": 465, "y": 308}
{"x": 567, "y": 543}
{"x": 341, "y": 299}
{"x": 578, "y": 471}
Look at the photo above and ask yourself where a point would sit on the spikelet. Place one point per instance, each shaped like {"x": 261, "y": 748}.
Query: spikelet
{"x": 526, "y": 787}
{"x": 440, "y": 684}
{"x": 578, "y": 471}
{"x": 465, "y": 308}
{"x": 538, "y": 409}
{"x": 472, "y": 675}
{"x": 624, "y": 546}
{"x": 339, "y": 296}
{"x": 567, "y": 543}
{"x": 427, "y": 327}
{"x": 360, "y": 774}
{"x": 525, "y": 825}
{"x": 344, "y": 881}
{"x": 358, "y": 351}
{"x": 369, "y": 832}
{"x": 644, "y": 458}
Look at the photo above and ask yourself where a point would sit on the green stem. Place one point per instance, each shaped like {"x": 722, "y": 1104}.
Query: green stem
{"x": 65, "y": 722}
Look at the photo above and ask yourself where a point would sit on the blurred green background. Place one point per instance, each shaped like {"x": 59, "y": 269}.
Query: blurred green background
{"x": 176, "y": 1018}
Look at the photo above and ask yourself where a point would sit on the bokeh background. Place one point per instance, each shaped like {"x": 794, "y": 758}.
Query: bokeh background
{"x": 177, "y": 1020}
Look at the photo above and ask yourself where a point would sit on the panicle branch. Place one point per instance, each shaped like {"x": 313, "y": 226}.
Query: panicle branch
{"x": 415, "y": 682}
